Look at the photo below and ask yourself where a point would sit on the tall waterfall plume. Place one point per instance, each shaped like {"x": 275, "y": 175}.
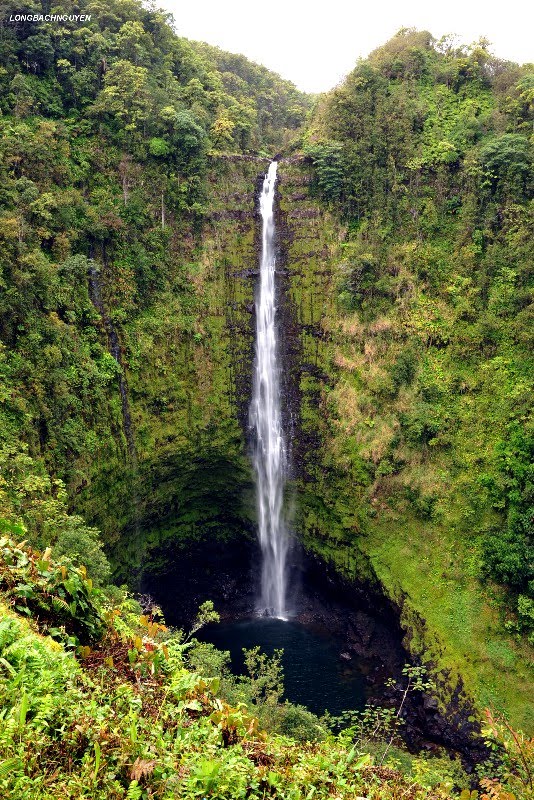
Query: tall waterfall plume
{"x": 269, "y": 455}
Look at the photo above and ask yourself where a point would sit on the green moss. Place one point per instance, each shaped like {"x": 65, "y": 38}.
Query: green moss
{"x": 427, "y": 565}
{"x": 390, "y": 491}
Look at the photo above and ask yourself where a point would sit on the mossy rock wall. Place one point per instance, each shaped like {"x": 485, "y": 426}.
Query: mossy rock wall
{"x": 187, "y": 368}
{"x": 358, "y": 519}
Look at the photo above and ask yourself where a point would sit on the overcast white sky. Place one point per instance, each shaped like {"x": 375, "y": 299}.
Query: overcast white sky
{"x": 315, "y": 45}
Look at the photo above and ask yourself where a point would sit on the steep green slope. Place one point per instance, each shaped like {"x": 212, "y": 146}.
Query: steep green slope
{"x": 279, "y": 108}
{"x": 423, "y": 398}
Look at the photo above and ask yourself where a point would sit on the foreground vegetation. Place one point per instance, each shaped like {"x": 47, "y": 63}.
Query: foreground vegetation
{"x": 101, "y": 701}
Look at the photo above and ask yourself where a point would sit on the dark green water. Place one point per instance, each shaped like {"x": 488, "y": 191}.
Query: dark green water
{"x": 315, "y": 675}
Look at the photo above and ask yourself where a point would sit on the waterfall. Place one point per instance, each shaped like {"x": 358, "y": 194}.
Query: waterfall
{"x": 269, "y": 454}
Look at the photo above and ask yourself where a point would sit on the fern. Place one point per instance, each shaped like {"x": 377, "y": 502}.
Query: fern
{"x": 9, "y": 766}
{"x": 134, "y": 791}
{"x": 60, "y": 605}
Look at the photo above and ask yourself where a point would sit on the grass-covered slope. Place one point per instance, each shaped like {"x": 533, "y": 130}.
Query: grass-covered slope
{"x": 424, "y": 404}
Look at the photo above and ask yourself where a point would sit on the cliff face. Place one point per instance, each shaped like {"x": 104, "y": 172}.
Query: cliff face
{"x": 147, "y": 402}
{"x": 177, "y": 501}
{"x": 370, "y": 523}
{"x": 126, "y": 250}
{"x": 188, "y": 373}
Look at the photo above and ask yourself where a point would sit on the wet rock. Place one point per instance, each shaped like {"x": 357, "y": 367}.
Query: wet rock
{"x": 430, "y": 703}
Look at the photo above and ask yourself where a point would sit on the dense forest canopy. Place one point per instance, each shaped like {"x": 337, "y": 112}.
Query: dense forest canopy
{"x": 127, "y": 73}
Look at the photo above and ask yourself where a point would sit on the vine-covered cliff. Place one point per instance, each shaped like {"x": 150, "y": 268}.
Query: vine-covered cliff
{"x": 128, "y": 245}
{"x": 423, "y": 155}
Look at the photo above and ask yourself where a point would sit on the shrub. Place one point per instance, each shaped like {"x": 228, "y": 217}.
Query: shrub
{"x": 58, "y": 595}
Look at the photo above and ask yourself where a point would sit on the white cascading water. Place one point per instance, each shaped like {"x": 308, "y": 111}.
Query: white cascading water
{"x": 266, "y": 421}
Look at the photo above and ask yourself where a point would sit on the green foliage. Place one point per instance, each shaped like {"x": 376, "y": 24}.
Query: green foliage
{"x": 103, "y": 728}
{"x": 358, "y": 280}
{"x": 525, "y": 615}
{"x": 265, "y": 676}
{"x": 39, "y": 505}
{"x": 260, "y": 689}
{"x": 82, "y": 545}
{"x": 403, "y": 370}
{"x": 514, "y": 763}
{"x": 371, "y": 724}
{"x": 329, "y": 169}
{"x": 206, "y": 615}
{"x": 57, "y": 594}
{"x": 506, "y": 164}
{"x": 509, "y": 554}
{"x": 158, "y": 147}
